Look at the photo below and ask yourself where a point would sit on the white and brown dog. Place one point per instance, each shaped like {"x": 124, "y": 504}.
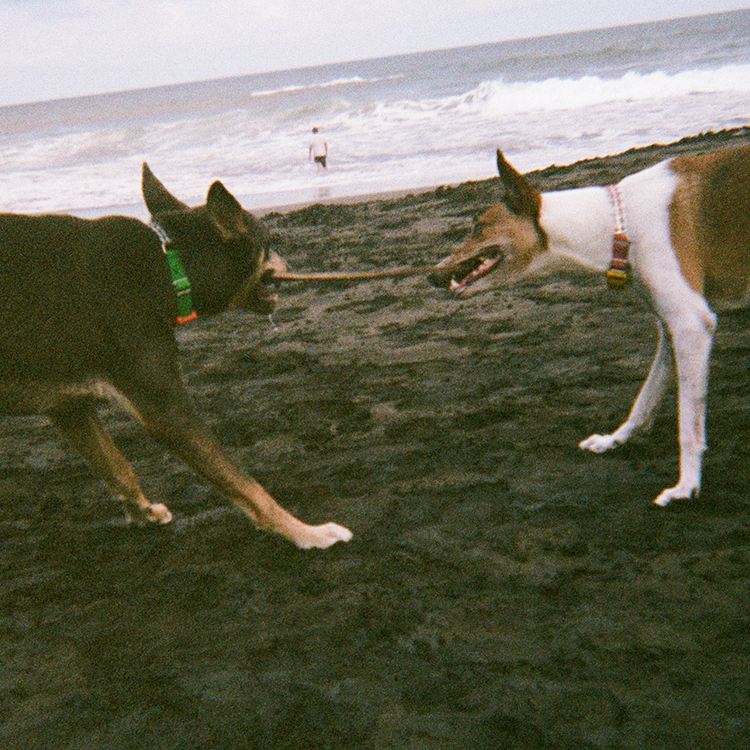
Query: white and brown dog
{"x": 680, "y": 230}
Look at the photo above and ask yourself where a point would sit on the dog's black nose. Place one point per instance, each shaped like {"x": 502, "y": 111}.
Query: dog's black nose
{"x": 441, "y": 277}
{"x": 438, "y": 279}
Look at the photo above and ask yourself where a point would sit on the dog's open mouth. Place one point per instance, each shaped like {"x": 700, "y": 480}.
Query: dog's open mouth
{"x": 457, "y": 276}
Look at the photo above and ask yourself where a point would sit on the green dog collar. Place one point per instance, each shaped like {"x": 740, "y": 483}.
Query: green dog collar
{"x": 180, "y": 281}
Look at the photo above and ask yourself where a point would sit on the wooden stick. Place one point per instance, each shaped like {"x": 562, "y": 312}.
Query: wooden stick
{"x": 352, "y": 275}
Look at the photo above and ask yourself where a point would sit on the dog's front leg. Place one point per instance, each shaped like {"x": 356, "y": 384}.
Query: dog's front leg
{"x": 171, "y": 420}
{"x": 80, "y": 425}
{"x": 199, "y": 450}
{"x": 692, "y": 336}
{"x": 649, "y": 397}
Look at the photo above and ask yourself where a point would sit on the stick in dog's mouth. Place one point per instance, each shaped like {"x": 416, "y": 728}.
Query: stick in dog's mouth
{"x": 352, "y": 275}
{"x": 467, "y": 272}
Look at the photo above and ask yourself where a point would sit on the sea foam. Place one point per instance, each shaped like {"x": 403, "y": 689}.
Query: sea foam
{"x": 396, "y": 123}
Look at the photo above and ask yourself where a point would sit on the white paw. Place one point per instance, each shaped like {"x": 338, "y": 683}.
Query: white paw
{"x": 157, "y": 513}
{"x": 675, "y": 493}
{"x": 599, "y": 443}
{"x": 323, "y": 536}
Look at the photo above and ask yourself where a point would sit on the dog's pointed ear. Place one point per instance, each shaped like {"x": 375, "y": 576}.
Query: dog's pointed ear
{"x": 225, "y": 211}
{"x": 158, "y": 198}
{"x": 519, "y": 196}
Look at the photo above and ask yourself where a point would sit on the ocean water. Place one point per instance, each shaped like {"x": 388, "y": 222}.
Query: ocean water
{"x": 392, "y": 124}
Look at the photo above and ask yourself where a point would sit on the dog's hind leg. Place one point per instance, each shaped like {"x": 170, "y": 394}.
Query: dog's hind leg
{"x": 649, "y": 397}
{"x": 79, "y": 423}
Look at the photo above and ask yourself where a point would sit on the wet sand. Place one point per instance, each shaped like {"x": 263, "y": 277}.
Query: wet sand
{"x": 503, "y": 589}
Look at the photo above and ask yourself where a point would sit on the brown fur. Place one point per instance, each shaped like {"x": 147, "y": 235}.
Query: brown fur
{"x": 87, "y": 311}
{"x": 509, "y": 231}
{"x": 499, "y": 226}
{"x": 710, "y": 222}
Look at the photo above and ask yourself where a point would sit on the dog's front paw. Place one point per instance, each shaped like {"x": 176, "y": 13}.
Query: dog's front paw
{"x": 322, "y": 536}
{"x": 599, "y": 443}
{"x": 157, "y": 513}
{"x": 680, "y": 492}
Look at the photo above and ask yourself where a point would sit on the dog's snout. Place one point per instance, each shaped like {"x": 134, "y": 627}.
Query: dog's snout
{"x": 494, "y": 251}
{"x": 274, "y": 263}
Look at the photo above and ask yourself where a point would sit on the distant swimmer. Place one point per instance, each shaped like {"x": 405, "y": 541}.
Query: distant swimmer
{"x": 318, "y": 150}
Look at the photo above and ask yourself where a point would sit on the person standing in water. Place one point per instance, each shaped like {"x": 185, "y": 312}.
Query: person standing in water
{"x": 318, "y": 151}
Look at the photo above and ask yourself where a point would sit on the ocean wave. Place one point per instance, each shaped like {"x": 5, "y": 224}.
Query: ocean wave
{"x": 354, "y": 80}
{"x": 500, "y": 98}
{"x": 395, "y": 123}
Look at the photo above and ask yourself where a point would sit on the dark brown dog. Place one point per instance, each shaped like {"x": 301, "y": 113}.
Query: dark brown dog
{"x": 87, "y": 311}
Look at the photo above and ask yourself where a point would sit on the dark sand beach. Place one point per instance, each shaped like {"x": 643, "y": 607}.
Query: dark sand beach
{"x": 503, "y": 589}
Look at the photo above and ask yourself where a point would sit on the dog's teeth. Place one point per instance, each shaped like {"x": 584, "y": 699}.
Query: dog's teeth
{"x": 454, "y": 285}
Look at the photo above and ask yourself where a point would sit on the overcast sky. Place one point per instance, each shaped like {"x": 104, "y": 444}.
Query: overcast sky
{"x": 59, "y": 48}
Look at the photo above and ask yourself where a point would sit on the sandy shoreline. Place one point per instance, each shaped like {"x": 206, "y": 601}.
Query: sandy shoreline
{"x": 503, "y": 589}
{"x": 259, "y": 206}
{"x": 595, "y": 170}
{"x": 618, "y": 164}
